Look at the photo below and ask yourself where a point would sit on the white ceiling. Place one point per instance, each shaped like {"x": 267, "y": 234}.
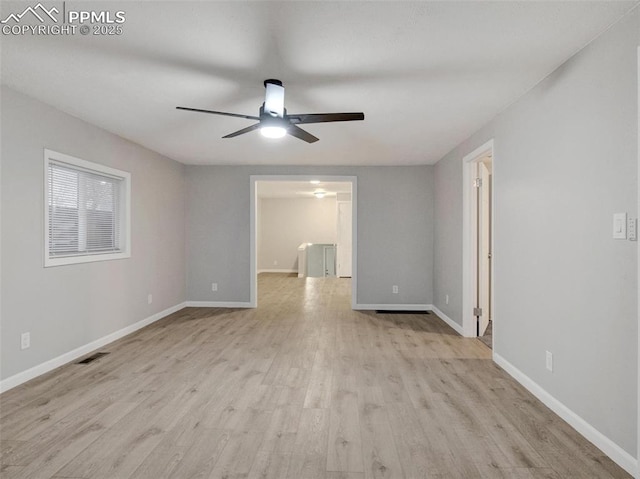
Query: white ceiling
{"x": 426, "y": 74}
{"x": 300, "y": 189}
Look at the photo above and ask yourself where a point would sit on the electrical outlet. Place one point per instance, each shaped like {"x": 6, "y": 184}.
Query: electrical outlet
{"x": 446, "y": 299}
{"x": 214, "y": 286}
{"x": 25, "y": 340}
{"x": 549, "y": 361}
{"x": 149, "y": 298}
{"x": 275, "y": 262}
{"x": 394, "y": 289}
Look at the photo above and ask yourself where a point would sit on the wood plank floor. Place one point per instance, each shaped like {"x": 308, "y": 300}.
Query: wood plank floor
{"x": 301, "y": 387}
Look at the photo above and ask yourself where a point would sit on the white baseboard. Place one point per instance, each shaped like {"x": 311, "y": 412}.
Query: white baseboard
{"x": 606, "y": 445}
{"x": 392, "y": 307}
{"x": 24, "y": 376}
{"x": 277, "y": 271}
{"x": 412, "y": 307}
{"x": 455, "y": 326}
{"x": 220, "y": 304}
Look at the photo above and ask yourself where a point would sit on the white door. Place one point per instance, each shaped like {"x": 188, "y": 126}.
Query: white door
{"x": 344, "y": 240}
{"x": 484, "y": 245}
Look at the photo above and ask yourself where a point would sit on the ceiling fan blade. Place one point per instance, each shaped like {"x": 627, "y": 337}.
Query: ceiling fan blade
{"x": 293, "y": 130}
{"x": 324, "y": 117}
{"x": 248, "y": 117}
{"x": 243, "y": 131}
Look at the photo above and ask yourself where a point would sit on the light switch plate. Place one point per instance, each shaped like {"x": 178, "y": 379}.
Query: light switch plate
{"x": 632, "y": 227}
{"x": 619, "y": 226}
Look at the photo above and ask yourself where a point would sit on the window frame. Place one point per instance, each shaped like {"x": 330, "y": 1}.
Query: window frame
{"x": 125, "y": 210}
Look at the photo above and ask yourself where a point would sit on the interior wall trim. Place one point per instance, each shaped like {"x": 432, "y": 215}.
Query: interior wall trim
{"x": 31, "y": 373}
{"x": 392, "y": 307}
{"x": 219, "y": 304}
{"x": 455, "y": 326}
{"x": 602, "y": 442}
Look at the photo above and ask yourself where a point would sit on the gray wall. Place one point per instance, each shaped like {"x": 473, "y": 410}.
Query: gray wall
{"x": 66, "y": 307}
{"x": 447, "y": 243}
{"x": 395, "y": 231}
{"x": 285, "y": 223}
{"x": 565, "y": 161}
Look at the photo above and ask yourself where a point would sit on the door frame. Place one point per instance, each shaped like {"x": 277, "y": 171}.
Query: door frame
{"x": 638, "y": 126}
{"x": 469, "y": 231}
{"x": 253, "y": 227}
{"x": 338, "y": 203}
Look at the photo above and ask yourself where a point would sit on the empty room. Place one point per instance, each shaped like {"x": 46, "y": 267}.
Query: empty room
{"x": 319, "y": 239}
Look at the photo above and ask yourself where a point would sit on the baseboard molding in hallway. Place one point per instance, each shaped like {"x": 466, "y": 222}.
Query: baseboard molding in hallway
{"x": 35, "y": 371}
{"x": 455, "y": 326}
{"x": 602, "y": 442}
{"x": 219, "y": 304}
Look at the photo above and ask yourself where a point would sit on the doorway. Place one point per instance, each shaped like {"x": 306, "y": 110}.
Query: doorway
{"x": 329, "y": 261}
{"x": 478, "y": 257}
{"x": 483, "y": 187}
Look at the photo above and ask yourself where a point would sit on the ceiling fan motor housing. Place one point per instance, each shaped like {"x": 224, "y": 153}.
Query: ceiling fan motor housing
{"x": 273, "y": 98}
{"x": 273, "y": 82}
{"x": 267, "y": 119}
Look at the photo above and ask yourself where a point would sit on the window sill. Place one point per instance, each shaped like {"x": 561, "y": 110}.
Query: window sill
{"x": 89, "y": 258}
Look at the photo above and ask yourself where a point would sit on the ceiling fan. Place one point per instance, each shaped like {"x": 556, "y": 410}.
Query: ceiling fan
{"x": 275, "y": 122}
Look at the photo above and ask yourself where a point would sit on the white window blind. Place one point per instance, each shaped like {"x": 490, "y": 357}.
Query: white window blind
{"x": 85, "y": 212}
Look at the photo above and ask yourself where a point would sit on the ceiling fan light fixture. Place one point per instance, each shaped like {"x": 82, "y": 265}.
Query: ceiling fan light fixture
{"x": 273, "y": 131}
{"x": 275, "y": 122}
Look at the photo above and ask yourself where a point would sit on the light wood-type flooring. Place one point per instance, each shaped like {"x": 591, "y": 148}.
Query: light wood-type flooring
{"x": 301, "y": 387}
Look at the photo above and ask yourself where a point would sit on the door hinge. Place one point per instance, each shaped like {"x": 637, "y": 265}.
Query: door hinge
{"x": 477, "y": 183}
{"x": 477, "y": 311}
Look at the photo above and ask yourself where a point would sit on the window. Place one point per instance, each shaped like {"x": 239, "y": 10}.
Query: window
{"x": 87, "y": 211}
